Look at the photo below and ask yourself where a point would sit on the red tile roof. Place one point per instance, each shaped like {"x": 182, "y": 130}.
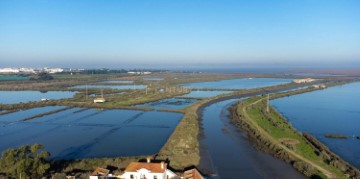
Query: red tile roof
{"x": 100, "y": 172}
{"x": 153, "y": 167}
{"x": 192, "y": 174}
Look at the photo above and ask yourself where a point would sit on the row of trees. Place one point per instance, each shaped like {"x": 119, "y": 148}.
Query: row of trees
{"x": 29, "y": 161}
{"x": 42, "y": 76}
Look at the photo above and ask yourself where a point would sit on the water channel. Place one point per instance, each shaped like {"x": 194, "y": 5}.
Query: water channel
{"x": 226, "y": 150}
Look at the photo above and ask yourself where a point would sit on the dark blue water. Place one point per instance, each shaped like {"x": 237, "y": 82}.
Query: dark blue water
{"x": 243, "y": 83}
{"x": 110, "y": 86}
{"x": 76, "y": 133}
{"x": 205, "y": 94}
{"x": 227, "y": 151}
{"x": 22, "y": 114}
{"x": 13, "y": 97}
{"x": 335, "y": 110}
{"x": 170, "y": 103}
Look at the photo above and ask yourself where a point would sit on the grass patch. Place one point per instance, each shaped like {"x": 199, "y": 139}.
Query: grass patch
{"x": 272, "y": 128}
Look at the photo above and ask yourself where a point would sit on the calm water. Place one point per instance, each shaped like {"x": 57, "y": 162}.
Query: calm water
{"x": 12, "y": 78}
{"x": 22, "y": 114}
{"x": 13, "y": 97}
{"x": 171, "y": 103}
{"x": 110, "y": 86}
{"x": 117, "y": 82}
{"x": 228, "y": 152}
{"x": 335, "y": 110}
{"x": 205, "y": 94}
{"x": 243, "y": 83}
{"x": 93, "y": 133}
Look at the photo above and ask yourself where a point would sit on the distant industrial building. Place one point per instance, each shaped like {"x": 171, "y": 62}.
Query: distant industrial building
{"x": 30, "y": 70}
{"x": 139, "y": 72}
{"x": 53, "y": 70}
{"x": 17, "y": 70}
{"x": 306, "y": 80}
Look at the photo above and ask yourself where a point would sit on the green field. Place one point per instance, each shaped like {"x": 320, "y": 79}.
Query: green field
{"x": 280, "y": 137}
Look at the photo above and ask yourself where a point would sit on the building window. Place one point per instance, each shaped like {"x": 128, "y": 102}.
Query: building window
{"x": 131, "y": 176}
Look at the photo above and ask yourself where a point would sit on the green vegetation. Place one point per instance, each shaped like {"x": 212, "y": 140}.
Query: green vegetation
{"x": 82, "y": 168}
{"x": 182, "y": 148}
{"x": 29, "y": 161}
{"x": 273, "y": 134}
{"x": 42, "y": 76}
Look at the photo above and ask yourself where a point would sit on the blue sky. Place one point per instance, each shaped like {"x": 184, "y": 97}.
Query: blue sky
{"x": 116, "y": 33}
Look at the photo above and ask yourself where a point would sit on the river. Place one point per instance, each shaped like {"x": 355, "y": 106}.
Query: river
{"x": 227, "y": 152}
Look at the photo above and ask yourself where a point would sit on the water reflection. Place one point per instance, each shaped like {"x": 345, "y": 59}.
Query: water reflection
{"x": 92, "y": 133}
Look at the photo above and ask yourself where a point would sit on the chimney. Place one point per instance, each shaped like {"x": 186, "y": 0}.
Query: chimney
{"x": 148, "y": 160}
{"x": 162, "y": 164}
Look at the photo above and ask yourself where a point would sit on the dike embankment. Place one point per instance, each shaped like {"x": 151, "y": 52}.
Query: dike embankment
{"x": 271, "y": 133}
{"x": 182, "y": 148}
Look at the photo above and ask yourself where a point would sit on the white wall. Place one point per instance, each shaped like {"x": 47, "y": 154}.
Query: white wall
{"x": 147, "y": 175}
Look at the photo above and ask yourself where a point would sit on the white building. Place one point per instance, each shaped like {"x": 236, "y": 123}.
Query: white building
{"x": 148, "y": 170}
{"x": 30, "y": 70}
{"x": 99, "y": 100}
{"x": 26, "y": 70}
{"x": 9, "y": 70}
{"x": 53, "y": 70}
{"x": 306, "y": 80}
{"x": 139, "y": 72}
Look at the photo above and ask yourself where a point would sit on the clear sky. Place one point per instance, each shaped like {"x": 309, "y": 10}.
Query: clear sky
{"x": 116, "y": 33}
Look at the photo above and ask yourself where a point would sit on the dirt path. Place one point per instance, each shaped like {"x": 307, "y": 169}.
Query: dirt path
{"x": 273, "y": 140}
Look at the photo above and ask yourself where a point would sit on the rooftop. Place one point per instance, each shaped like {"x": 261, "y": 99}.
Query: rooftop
{"x": 152, "y": 167}
{"x": 100, "y": 172}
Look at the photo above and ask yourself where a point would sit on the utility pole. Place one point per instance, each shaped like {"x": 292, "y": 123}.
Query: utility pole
{"x": 267, "y": 103}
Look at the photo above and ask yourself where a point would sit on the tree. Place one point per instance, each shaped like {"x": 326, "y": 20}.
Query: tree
{"x": 42, "y": 76}
{"x": 29, "y": 161}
